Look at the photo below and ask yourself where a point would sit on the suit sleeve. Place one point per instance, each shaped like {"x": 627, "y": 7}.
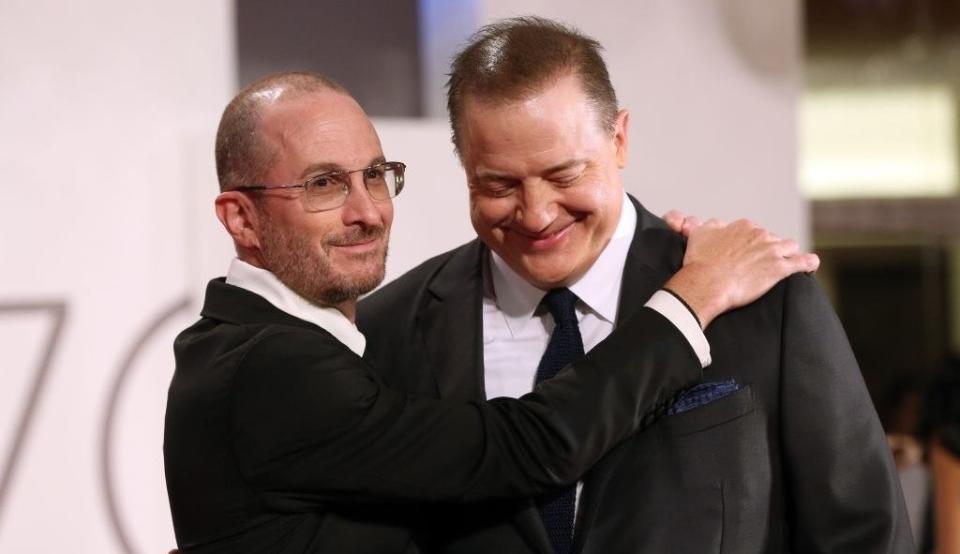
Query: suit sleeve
{"x": 844, "y": 491}
{"x": 311, "y": 423}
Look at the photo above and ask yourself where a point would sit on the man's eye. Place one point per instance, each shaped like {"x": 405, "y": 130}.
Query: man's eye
{"x": 320, "y": 181}
{"x": 373, "y": 173}
{"x": 566, "y": 178}
{"x": 496, "y": 188}
{"x": 323, "y": 184}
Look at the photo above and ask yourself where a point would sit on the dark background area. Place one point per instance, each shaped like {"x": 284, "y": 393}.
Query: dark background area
{"x": 369, "y": 46}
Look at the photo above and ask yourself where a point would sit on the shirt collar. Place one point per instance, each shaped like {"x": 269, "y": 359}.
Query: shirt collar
{"x": 265, "y": 284}
{"x": 518, "y": 299}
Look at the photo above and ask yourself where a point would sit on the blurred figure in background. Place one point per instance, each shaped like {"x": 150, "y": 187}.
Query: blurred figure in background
{"x": 943, "y": 443}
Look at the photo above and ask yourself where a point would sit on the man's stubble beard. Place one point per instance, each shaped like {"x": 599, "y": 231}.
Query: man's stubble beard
{"x": 311, "y": 273}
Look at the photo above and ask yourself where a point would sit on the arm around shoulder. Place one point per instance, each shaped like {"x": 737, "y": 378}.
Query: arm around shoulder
{"x": 312, "y": 423}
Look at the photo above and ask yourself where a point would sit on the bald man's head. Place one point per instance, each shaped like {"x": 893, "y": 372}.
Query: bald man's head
{"x": 242, "y": 154}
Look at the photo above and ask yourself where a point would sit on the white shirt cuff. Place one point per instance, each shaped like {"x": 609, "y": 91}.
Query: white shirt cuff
{"x": 669, "y": 307}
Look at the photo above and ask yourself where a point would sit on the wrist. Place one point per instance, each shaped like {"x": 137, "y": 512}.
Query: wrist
{"x": 688, "y": 307}
{"x": 700, "y": 291}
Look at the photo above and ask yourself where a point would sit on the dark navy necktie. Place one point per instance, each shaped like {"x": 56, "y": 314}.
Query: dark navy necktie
{"x": 557, "y": 509}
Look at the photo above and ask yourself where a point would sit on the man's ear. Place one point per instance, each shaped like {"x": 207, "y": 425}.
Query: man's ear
{"x": 620, "y": 140}
{"x": 239, "y": 217}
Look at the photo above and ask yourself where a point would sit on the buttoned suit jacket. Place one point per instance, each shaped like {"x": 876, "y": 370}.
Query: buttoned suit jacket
{"x": 279, "y": 438}
{"x": 793, "y": 461}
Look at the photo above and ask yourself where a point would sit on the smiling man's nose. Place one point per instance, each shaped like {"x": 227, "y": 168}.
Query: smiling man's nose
{"x": 360, "y": 208}
{"x": 537, "y": 208}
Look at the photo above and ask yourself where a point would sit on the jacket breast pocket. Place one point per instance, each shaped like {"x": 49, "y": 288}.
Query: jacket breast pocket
{"x": 718, "y": 412}
{"x": 696, "y": 482}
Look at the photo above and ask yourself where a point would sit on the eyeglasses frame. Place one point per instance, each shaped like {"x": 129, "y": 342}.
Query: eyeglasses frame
{"x": 391, "y": 166}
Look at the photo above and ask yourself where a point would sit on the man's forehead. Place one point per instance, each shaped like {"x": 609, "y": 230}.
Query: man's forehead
{"x": 527, "y": 130}
{"x": 318, "y": 114}
{"x": 328, "y": 130}
{"x": 316, "y": 109}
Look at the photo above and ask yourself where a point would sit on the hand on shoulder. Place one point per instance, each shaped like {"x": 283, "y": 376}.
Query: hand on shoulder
{"x": 729, "y": 265}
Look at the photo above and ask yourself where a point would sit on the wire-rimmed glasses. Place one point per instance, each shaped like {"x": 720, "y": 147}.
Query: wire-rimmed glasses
{"x": 328, "y": 191}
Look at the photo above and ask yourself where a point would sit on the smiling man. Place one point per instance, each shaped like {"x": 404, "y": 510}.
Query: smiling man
{"x": 279, "y": 437}
{"x": 546, "y": 195}
{"x": 780, "y": 451}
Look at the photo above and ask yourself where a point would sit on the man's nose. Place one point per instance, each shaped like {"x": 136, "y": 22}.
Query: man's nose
{"x": 537, "y": 208}
{"x": 360, "y": 208}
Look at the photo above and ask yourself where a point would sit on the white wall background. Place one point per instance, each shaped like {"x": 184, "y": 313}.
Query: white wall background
{"x": 107, "y": 108}
{"x": 107, "y": 114}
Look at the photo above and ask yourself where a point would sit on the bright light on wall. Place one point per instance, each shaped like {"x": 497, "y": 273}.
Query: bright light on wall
{"x": 870, "y": 143}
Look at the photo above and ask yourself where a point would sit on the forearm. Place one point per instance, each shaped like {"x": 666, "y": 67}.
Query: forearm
{"x": 596, "y": 403}
{"x": 376, "y": 444}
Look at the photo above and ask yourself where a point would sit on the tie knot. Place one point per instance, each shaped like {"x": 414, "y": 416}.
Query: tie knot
{"x": 562, "y": 305}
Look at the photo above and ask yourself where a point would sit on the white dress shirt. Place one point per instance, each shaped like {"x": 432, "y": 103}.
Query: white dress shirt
{"x": 264, "y": 283}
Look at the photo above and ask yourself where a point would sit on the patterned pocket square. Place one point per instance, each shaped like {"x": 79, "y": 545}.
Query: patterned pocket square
{"x": 702, "y": 394}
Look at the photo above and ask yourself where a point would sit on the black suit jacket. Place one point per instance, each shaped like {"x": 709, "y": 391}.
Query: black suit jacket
{"x": 795, "y": 460}
{"x": 278, "y": 438}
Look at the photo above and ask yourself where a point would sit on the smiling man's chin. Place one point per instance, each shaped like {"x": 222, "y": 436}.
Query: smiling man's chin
{"x": 545, "y": 272}
{"x": 355, "y": 282}
{"x": 326, "y": 276}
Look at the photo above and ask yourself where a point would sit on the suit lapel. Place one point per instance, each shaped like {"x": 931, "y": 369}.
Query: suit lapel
{"x": 651, "y": 260}
{"x": 452, "y": 325}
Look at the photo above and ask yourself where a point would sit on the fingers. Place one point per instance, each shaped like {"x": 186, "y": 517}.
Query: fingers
{"x": 787, "y": 247}
{"x": 674, "y": 220}
{"x": 681, "y": 223}
{"x": 810, "y": 262}
{"x": 690, "y": 224}
{"x": 714, "y": 223}
{"x": 686, "y": 224}
{"x": 797, "y": 260}
{"x": 800, "y": 263}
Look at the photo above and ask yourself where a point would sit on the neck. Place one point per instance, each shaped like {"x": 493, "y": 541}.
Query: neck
{"x": 251, "y": 257}
{"x": 348, "y": 308}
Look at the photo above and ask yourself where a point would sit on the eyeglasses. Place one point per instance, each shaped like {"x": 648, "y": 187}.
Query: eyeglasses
{"x": 328, "y": 191}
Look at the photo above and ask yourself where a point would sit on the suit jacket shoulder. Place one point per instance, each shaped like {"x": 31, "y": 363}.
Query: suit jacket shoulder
{"x": 463, "y": 261}
{"x": 427, "y": 319}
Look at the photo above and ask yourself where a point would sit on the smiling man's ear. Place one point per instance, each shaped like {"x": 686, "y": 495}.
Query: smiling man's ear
{"x": 239, "y": 216}
{"x": 620, "y": 138}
